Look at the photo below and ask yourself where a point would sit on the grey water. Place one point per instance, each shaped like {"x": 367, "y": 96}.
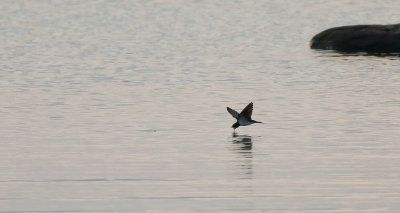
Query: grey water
{"x": 120, "y": 106}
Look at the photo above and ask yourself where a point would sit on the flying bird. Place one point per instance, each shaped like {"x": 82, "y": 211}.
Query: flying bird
{"x": 243, "y": 118}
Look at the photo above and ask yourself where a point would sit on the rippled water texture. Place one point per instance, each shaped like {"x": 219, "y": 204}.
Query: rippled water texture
{"x": 120, "y": 106}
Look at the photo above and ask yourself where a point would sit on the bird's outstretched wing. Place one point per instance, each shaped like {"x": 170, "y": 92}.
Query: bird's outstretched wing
{"x": 247, "y": 111}
{"x": 233, "y": 113}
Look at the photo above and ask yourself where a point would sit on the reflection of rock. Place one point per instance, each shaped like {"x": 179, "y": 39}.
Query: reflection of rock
{"x": 359, "y": 38}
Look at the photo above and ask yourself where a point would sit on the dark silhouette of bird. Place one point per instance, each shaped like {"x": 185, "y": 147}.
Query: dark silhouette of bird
{"x": 243, "y": 118}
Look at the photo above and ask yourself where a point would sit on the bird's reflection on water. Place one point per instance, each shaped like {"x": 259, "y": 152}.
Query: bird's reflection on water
{"x": 243, "y": 145}
{"x": 242, "y": 142}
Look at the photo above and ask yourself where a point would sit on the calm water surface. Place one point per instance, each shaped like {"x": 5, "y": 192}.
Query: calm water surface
{"x": 120, "y": 106}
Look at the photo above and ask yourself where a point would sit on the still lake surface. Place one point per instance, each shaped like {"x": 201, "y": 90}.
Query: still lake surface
{"x": 120, "y": 106}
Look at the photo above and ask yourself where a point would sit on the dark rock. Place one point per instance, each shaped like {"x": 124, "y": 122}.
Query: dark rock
{"x": 359, "y": 38}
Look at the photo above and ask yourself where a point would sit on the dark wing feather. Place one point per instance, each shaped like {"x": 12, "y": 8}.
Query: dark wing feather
{"x": 247, "y": 111}
{"x": 233, "y": 113}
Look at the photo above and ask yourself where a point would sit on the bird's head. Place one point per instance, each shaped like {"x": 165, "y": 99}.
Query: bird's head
{"x": 235, "y": 125}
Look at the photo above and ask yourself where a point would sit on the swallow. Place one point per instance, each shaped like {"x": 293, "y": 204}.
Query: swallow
{"x": 243, "y": 118}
